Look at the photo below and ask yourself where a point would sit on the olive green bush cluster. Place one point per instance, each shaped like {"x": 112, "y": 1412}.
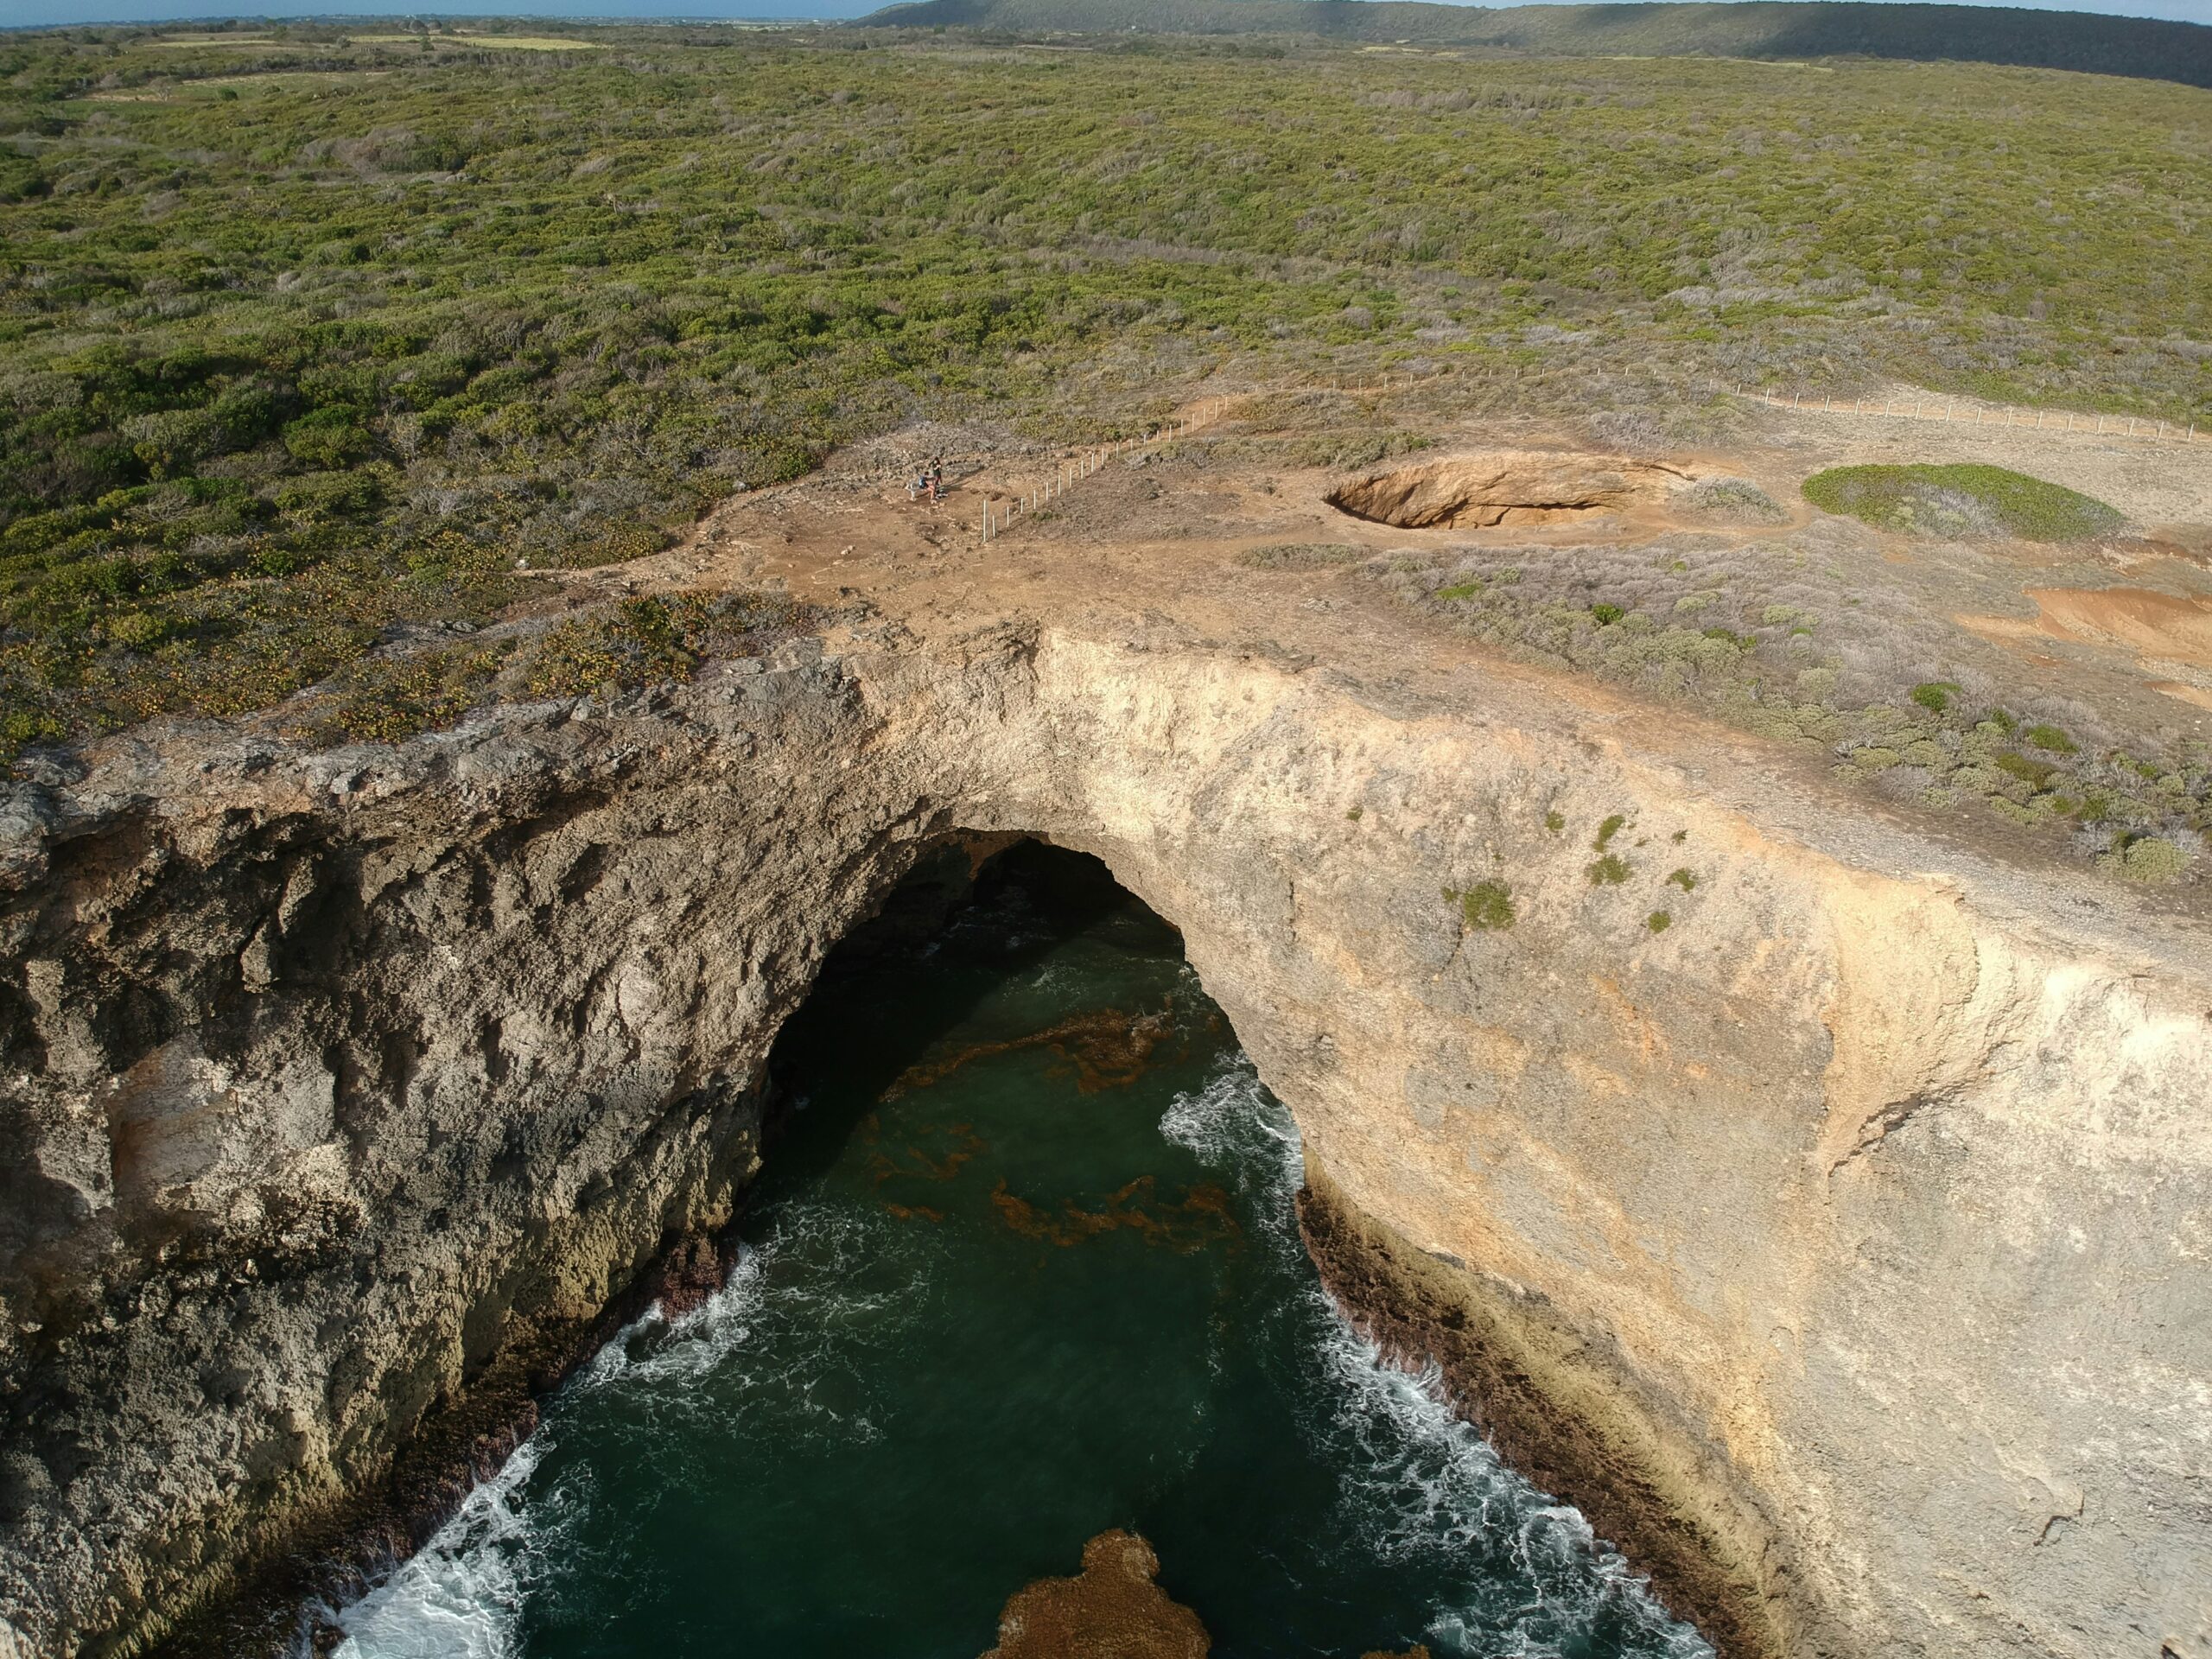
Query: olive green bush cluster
{"x": 382, "y": 699}
{"x": 1962, "y": 499}
{"x": 1778, "y": 638}
{"x": 310, "y": 334}
{"x": 412, "y": 684}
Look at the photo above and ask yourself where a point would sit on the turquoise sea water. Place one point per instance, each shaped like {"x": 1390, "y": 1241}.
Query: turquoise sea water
{"x": 1022, "y": 1267}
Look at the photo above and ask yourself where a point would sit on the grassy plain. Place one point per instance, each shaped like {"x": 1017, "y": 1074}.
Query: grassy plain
{"x": 309, "y": 339}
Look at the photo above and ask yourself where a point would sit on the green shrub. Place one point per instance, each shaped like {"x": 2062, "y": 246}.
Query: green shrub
{"x": 329, "y": 438}
{"x": 2148, "y": 859}
{"x": 1460, "y": 590}
{"x": 1487, "y": 907}
{"x": 1658, "y": 921}
{"x": 2036, "y": 773}
{"x": 1934, "y": 695}
{"x": 1611, "y": 827}
{"x": 2052, "y": 739}
{"x": 1683, "y": 879}
{"x": 329, "y": 495}
{"x": 1966, "y": 499}
{"x": 1608, "y": 872}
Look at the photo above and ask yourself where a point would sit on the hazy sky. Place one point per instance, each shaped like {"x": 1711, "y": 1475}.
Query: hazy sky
{"x": 19, "y": 13}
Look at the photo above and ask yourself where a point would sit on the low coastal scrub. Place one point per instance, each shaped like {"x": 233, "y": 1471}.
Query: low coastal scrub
{"x": 1299, "y": 556}
{"x": 657, "y": 641}
{"x": 411, "y": 686}
{"x": 310, "y": 336}
{"x": 385, "y": 699}
{"x": 1729, "y": 501}
{"x": 1782, "y": 640}
{"x": 1962, "y": 501}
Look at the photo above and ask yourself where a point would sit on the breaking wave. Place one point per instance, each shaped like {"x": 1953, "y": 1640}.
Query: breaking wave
{"x": 461, "y": 1596}
{"x": 1417, "y": 1481}
{"x": 774, "y": 1342}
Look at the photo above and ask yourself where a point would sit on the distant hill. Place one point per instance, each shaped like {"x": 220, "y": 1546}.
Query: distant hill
{"x": 1782, "y": 29}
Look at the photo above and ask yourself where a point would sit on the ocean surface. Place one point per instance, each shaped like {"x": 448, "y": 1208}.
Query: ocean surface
{"x": 1023, "y": 1267}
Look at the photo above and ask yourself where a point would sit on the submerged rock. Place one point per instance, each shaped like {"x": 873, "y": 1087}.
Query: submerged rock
{"x": 1111, "y": 1610}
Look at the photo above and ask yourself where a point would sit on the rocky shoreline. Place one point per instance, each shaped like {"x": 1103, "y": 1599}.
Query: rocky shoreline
{"x": 275, "y": 1605}
{"x": 1504, "y": 1371}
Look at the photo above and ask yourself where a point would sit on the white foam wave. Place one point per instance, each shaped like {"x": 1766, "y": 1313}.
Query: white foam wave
{"x": 1233, "y": 1123}
{"x": 764, "y": 1335}
{"x": 461, "y": 1596}
{"x": 1416, "y": 1479}
{"x": 1420, "y": 1480}
{"x": 654, "y": 1348}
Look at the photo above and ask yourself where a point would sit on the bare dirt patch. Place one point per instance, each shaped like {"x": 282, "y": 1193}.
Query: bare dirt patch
{"x": 2169, "y": 634}
{"x": 2158, "y": 626}
{"x": 1506, "y": 486}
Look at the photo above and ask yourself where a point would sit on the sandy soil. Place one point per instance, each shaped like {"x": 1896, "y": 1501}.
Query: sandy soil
{"x": 1148, "y": 546}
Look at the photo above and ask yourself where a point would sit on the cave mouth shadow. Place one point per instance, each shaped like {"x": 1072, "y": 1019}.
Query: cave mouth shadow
{"x": 875, "y": 1008}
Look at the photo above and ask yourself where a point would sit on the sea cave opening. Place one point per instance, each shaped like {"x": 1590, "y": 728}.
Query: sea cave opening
{"x": 1021, "y": 1284}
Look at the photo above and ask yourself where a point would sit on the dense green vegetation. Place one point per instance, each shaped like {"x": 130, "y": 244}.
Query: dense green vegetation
{"x": 1961, "y": 500}
{"x": 1749, "y": 29}
{"x": 315, "y": 346}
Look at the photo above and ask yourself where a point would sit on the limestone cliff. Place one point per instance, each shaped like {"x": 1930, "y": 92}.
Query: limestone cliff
{"x": 1841, "y": 1239}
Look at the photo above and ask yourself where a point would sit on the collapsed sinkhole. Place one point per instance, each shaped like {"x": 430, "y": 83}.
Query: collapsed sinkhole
{"x": 1505, "y": 486}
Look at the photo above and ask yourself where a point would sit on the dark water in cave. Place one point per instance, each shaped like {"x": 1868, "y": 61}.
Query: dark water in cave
{"x": 1022, "y": 1267}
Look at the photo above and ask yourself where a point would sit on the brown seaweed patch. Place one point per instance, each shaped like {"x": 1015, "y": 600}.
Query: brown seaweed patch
{"x": 913, "y": 1211}
{"x": 1112, "y": 1608}
{"x": 1198, "y": 1218}
{"x": 1109, "y": 1048}
{"x": 917, "y": 1164}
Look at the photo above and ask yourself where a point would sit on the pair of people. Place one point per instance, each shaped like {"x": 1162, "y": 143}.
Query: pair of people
{"x": 930, "y": 482}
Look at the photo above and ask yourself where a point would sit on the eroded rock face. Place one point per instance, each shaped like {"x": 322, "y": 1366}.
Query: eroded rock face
{"x": 1505, "y": 486}
{"x": 1853, "y": 1228}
